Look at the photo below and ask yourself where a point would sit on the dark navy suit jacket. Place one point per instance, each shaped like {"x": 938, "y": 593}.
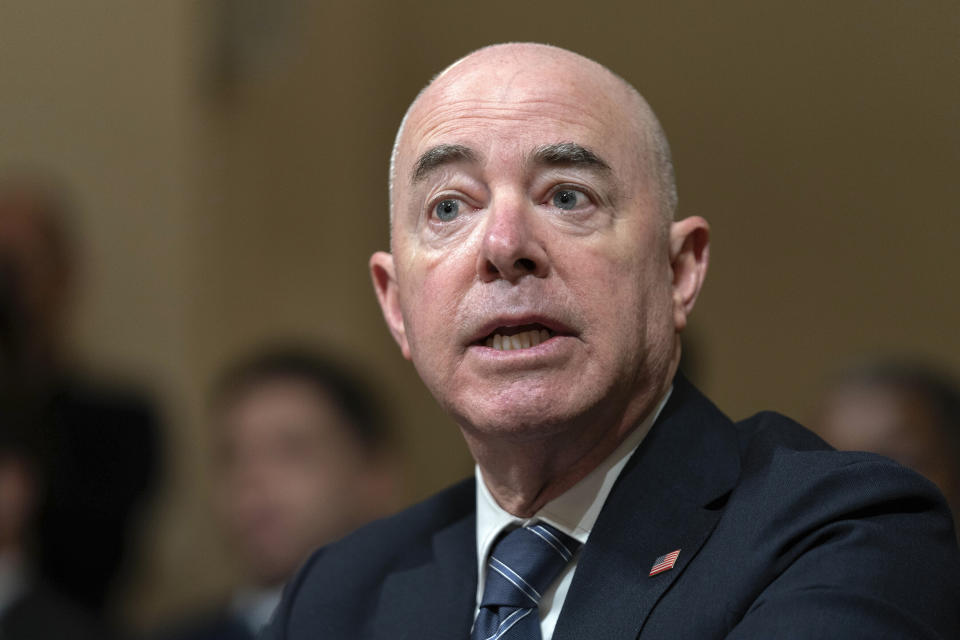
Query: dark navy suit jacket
{"x": 780, "y": 537}
{"x": 220, "y": 625}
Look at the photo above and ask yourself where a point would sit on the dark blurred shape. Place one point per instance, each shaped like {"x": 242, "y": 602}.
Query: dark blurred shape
{"x": 105, "y": 463}
{"x": 905, "y": 410}
{"x": 35, "y": 278}
{"x": 691, "y": 356}
{"x": 303, "y": 456}
{"x": 102, "y": 439}
{"x": 29, "y": 609}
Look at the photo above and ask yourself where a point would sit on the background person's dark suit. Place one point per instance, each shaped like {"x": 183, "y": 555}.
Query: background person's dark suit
{"x": 104, "y": 459}
{"x": 779, "y": 537}
{"x": 214, "y": 626}
{"x": 40, "y": 614}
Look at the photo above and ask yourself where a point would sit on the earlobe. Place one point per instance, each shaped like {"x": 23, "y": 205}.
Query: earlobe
{"x": 383, "y": 273}
{"x": 689, "y": 258}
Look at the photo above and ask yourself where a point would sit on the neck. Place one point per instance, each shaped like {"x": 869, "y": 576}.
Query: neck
{"x": 524, "y": 475}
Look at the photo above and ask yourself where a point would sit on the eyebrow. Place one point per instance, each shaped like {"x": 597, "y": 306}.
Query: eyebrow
{"x": 569, "y": 154}
{"x": 440, "y": 155}
{"x": 560, "y": 154}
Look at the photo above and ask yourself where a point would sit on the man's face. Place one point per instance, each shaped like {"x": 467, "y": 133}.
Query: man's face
{"x": 522, "y": 212}
{"x": 289, "y": 476}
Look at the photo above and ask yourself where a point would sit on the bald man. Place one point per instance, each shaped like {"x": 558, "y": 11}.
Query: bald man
{"x": 539, "y": 280}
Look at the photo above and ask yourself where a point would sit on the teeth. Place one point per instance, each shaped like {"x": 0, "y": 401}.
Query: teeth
{"x": 523, "y": 340}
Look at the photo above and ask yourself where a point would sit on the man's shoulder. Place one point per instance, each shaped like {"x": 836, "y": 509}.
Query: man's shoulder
{"x": 825, "y": 536}
{"x": 773, "y": 444}
{"x": 347, "y": 577}
{"x": 808, "y": 541}
{"x": 43, "y": 613}
{"x": 790, "y": 466}
{"x": 411, "y": 525}
{"x": 769, "y": 430}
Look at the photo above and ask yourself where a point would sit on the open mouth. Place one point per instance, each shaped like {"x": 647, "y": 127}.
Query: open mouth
{"x": 520, "y": 337}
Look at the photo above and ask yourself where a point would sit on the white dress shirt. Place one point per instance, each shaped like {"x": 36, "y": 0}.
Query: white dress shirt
{"x": 254, "y": 606}
{"x": 573, "y": 512}
{"x": 14, "y": 579}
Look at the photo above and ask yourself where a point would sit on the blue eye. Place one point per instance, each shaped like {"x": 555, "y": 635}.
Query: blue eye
{"x": 567, "y": 199}
{"x": 447, "y": 210}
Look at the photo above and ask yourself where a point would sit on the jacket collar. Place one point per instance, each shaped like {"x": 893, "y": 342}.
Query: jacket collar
{"x": 431, "y": 597}
{"x": 669, "y": 496}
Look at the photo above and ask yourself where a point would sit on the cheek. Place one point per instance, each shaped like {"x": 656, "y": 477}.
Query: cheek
{"x": 627, "y": 292}
{"x": 430, "y": 297}
{"x": 616, "y": 278}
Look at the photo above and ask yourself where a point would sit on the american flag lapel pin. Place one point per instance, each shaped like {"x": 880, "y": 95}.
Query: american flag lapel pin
{"x": 664, "y": 562}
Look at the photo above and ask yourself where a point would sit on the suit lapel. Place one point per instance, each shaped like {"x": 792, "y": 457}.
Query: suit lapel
{"x": 668, "y": 497}
{"x": 435, "y": 597}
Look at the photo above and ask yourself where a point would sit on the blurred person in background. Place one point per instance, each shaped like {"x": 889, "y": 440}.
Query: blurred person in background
{"x": 908, "y": 411}
{"x": 29, "y": 609}
{"x": 302, "y": 458}
{"x": 103, "y": 438}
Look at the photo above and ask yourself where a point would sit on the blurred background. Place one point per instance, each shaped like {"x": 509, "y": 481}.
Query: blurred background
{"x": 225, "y": 163}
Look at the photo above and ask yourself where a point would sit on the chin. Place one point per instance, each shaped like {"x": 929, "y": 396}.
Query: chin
{"x": 522, "y": 418}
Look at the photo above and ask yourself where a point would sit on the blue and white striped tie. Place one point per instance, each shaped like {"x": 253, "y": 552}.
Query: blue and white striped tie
{"x": 522, "y": 566}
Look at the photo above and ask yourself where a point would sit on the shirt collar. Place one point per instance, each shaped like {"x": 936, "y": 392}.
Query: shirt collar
{"x": 14, "y": 579}
{"x": 574, "y": 512}
{"x": 255, "y": 605}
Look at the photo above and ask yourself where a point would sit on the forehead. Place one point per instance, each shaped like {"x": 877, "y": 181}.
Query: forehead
{"x": 503, "y": 103}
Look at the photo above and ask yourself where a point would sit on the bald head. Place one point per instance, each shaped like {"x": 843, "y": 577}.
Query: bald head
{"x": 504, "y": 65}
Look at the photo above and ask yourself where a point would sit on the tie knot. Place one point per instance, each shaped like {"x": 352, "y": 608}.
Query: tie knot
{"x": 524, "y": 563}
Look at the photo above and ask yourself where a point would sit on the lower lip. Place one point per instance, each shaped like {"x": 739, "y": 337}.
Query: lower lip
{"x": 549, "y": 347}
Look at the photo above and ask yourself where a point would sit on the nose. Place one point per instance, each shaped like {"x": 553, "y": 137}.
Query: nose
{"x": 511, "y": 248}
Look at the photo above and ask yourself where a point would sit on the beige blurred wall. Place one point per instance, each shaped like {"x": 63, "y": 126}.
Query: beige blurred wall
{"x": 104, "y": 96}
{"x": 231, "y": 159}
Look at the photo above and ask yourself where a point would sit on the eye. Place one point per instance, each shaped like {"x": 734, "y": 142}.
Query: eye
{"x": 447, "y": 210}
{"x": 569, "y": 199}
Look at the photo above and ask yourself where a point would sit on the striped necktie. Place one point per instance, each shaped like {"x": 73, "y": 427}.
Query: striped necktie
{"x": 522, "y": 566}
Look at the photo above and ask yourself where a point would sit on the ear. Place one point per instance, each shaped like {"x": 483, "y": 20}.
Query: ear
{"x": 689, "y": 256}
{"x": 384, "y": 275}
